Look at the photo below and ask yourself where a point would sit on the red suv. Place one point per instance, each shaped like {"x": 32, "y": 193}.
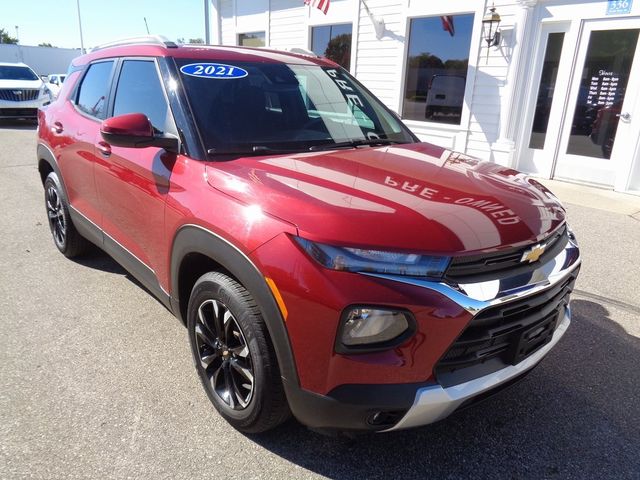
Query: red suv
{"x": 325, "y": 262}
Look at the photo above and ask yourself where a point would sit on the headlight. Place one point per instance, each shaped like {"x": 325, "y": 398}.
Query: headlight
{"x": 375, "y": 261}
{"x": 44, "y": 91}
{"x": 369, "y": 328}
{"x": 572, "y": 235}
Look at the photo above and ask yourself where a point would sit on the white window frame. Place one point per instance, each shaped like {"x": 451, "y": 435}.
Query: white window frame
{"x": 416, "y": 9}
{"x": 341, "y": 13}
{"x": 331, "y": 24}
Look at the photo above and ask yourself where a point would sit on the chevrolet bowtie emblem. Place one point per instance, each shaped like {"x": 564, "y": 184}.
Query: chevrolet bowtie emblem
{"x": 533, "y": 254}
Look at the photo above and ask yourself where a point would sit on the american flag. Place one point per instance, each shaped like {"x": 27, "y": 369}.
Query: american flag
{"x": 447, "y": 24}
{"x": 322, "y": 5}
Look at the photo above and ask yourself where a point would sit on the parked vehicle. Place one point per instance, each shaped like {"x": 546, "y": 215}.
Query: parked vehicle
{"x": 22, "y": 92}
{"x": 445, "y": 96}
{"x": 55, "y": 82}
{"x": 325, "y": 262}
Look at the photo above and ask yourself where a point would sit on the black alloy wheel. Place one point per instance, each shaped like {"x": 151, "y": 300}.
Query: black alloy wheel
{"x": 65, "y": 236}
{"x": 233, "y": 354}
{"x": 55, "y": 214}
{"x": 224, "y": 354}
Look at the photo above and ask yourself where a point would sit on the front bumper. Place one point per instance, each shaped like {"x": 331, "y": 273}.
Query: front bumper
{"x": 433, "y": 403}
{"x": 386, "y": 407}
{"x": 25, "y": 109}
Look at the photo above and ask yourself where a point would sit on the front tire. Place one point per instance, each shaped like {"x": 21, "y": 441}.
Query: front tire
{"x": 65, "y": 236}
{"x": 233, "y": 354}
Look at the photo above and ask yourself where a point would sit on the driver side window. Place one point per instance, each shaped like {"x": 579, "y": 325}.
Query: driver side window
{"x": 93, "y": 90}
{"x": 140, "y": 91}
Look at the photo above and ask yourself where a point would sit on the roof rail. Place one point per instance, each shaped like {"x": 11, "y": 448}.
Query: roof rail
{"x": 143, "y": 40}
{"x": 296, "y": 50}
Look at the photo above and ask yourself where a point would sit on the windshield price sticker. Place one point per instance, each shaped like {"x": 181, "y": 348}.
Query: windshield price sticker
{"x": 619, "y": 7}
{"x": 217, "y": 71}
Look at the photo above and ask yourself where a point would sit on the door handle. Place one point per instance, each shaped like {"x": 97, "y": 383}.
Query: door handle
{"x": 57, "y": 128}
{"x": 626, "y": 116}
{"x": 104, "y": 149}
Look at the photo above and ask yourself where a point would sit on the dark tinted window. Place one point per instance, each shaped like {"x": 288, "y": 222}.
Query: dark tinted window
{"x": 438, "y": 58}
{"x": 9, "y": 72}
{"x": 139, "y": 91}
{"x": 333, "y": 42}
{"x": 546, "y": 90}
{"x": 94, "y": 88}
{"x": 285, "y": 106}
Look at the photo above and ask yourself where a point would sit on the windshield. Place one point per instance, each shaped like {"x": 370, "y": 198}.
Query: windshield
{"x": 284, "y": 107}
{"x": 10, "y": 72}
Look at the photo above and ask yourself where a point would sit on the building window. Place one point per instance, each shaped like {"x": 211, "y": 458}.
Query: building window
{"x": 437, "y": 62}
{"x": 546, "y": 90}
{"x": 251, "y": 39}
{"x": 333, "y": 42}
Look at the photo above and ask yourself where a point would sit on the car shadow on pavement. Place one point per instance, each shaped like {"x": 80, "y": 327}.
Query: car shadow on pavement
{"x": 99, "y": 260}
{"x": 19, "y": 124}
{"x": 575, "y": 416}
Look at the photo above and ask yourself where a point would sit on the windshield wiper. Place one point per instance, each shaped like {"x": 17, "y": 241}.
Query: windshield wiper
{"x": 355, "y": 143}
{"x": 253, "y": 150}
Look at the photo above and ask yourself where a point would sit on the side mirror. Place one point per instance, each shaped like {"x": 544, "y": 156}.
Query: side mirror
{"x": 134, "y": 130}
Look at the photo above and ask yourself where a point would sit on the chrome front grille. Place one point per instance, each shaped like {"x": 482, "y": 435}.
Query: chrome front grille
{"x": 18, "y": 94}
{"x": 488, "y": 266}
{"x": 494, "y": 337}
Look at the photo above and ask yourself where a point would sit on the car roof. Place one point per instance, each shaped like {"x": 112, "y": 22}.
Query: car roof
{"x": 202, "y": 52}
{"x": 13, "y": 64}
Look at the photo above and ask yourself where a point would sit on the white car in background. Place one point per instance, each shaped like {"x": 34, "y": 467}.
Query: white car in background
{"x": 22, "y": 92}
{"x": 55, "y": 81}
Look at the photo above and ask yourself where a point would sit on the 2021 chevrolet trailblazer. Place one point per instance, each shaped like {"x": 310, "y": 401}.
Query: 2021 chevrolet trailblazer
{"x": 327, "y": 264}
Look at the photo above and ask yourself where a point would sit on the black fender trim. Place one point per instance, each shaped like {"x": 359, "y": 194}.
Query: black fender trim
{"x": 45, "y": 153}
{"x": 196, "y": 239}
{"x": 85, "y": 227}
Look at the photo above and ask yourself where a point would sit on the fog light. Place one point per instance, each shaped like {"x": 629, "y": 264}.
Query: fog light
{"x": 374, "y": 328}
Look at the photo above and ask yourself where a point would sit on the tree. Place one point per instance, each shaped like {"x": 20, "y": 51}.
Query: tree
{"x": 339, "y": 49}
{"x": 457, "y": 64}
{"x": 46, "y": 44}
{"x": 6, "y": 38}
{"x": 425, "y": 60}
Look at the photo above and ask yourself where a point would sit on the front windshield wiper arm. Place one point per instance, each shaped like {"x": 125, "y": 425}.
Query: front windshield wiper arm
{"x": 253, "y": 150}
{"x": 355, "y": 143}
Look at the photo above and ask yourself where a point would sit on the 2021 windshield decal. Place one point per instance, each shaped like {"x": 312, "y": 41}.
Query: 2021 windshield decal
{"x": 217, "y": 71}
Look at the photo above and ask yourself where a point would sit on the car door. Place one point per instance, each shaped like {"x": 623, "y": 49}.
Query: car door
{"x": 132, "y": 183}
{"x": 75, "y": 131}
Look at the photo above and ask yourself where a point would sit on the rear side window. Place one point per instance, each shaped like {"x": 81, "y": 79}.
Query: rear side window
{"x": 94, "y": 88}
{"x": 140, "y": 91}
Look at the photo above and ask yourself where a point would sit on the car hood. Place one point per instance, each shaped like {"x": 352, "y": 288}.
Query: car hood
{"x": 416, "y": 197}
{"x": 20, "y": 84}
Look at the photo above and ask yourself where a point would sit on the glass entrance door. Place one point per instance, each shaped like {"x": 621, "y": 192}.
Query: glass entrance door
{"x": 599, "y": 125}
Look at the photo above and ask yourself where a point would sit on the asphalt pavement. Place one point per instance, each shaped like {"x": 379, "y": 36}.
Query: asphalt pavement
{"x": 96, "y": 379}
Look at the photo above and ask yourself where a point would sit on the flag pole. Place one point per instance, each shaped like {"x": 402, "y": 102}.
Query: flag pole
{"x": 207, "y": 37}
{"x": 80, "y": 26}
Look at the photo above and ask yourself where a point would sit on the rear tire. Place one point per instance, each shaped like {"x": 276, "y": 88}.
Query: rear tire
{"x": 234, "y": 356}
{"x": 65, "y": 236}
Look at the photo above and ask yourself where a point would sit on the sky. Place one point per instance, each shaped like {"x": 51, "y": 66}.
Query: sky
{"x": 427, "y": 35}
{"x": 56, "y": 21}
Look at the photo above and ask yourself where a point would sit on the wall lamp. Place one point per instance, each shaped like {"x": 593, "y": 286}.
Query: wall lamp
{"x": 490, "y": 24}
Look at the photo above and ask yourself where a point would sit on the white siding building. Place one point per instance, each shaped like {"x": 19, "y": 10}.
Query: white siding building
{"x": 558, "y": 96}
{"x": 43, "y": 60}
